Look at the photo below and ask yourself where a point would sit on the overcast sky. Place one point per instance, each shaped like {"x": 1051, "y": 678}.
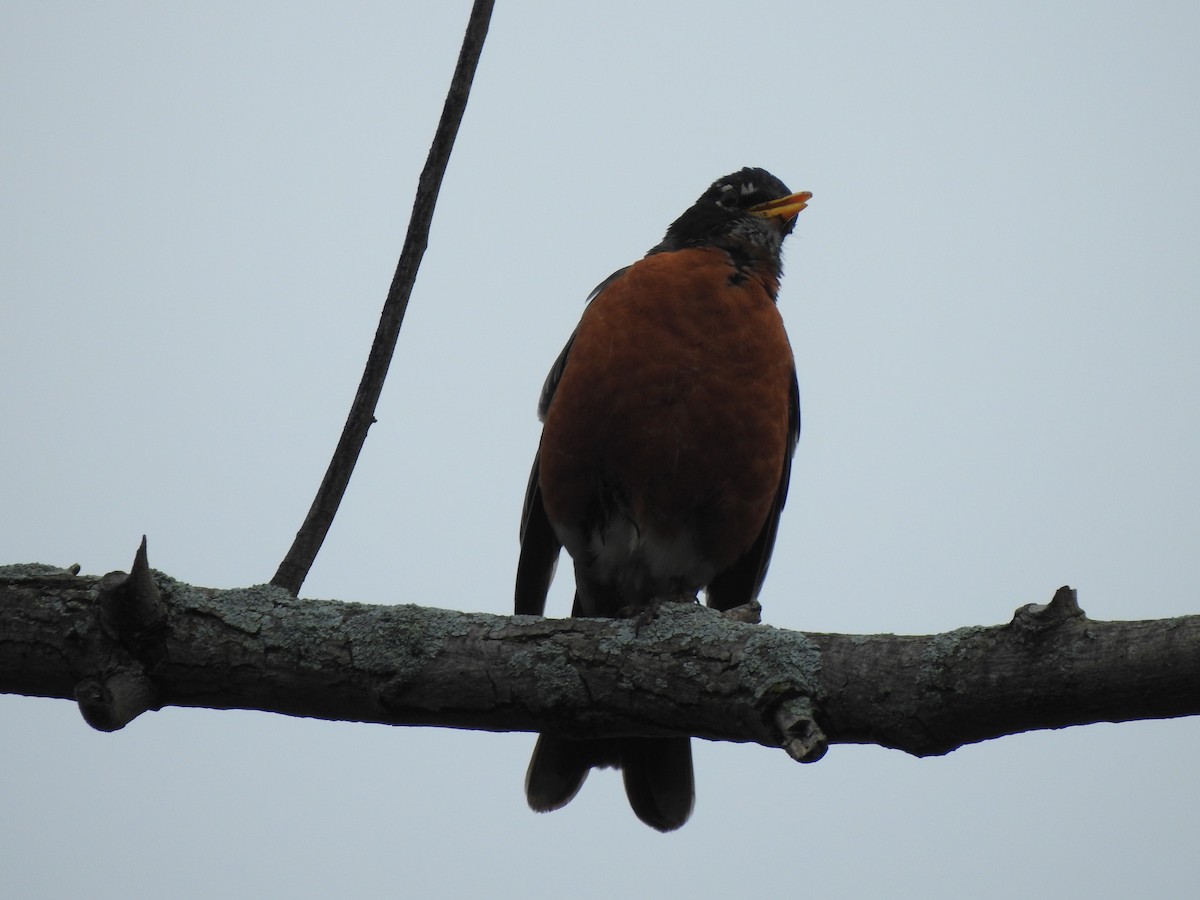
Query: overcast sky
{"x": 993, "y": 302}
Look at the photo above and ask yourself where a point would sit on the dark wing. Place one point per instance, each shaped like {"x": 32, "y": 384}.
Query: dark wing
{"x": 741, "y": 582}
{"x": 555, "y": 375}
{"x": 539, "y": 551}
{"x": 539, "y": 544}
{"x": 605, "y": 283}
{"x": 551, "y": 383}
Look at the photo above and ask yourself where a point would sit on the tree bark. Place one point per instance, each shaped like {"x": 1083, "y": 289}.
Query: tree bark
{"x": 120, "y": 645}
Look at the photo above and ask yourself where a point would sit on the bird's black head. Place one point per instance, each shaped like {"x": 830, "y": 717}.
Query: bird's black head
{"x": 750, "y": 206}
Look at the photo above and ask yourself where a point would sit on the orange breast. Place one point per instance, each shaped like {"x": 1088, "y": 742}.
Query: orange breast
{"x": 673, "y": 405}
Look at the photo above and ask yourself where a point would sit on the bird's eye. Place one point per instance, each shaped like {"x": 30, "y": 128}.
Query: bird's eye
{"x": 728, "y": 197}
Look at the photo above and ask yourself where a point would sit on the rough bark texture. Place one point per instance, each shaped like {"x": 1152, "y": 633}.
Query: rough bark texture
{"x": 120, "y": 645}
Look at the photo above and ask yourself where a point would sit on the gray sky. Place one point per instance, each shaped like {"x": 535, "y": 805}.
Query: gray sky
{"x": 992, "y": 298}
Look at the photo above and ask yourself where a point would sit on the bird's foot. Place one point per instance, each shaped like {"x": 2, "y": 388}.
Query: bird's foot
{"x": 644, "y": 615}
{"x": 749, "y": 613}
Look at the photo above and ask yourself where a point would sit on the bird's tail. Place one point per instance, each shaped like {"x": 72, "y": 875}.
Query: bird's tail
{"x": 657, "y": 771}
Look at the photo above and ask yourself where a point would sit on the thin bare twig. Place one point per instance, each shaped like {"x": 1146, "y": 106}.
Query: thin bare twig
{"x": 295, "y": 566}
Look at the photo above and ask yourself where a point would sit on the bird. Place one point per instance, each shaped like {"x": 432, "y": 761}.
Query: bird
{"x": 669, "y": 423}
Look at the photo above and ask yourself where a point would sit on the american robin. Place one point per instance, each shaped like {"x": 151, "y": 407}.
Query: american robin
{"x": 670, "y": 420}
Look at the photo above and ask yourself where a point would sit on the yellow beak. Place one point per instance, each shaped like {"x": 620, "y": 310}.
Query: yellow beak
{"x": 783, "y": 208}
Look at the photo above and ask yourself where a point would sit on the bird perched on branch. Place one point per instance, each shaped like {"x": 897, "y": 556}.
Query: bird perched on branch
{"x": 670, "y": 420}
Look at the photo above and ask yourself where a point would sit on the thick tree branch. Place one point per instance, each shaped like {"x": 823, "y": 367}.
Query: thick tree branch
{"x": 690, "y": 671}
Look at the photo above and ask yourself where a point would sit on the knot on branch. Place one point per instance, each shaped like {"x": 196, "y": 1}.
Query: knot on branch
{"x": 111, "y": 703}
{"x": 133, "y": 620}
{"x": 1035, "y": 618}
{"x": 131, "y": 608}
{"x": 802, "y": 737}
{"x": 788, "y": 666}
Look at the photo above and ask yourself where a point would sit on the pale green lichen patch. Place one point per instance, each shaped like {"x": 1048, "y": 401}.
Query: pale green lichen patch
{"x": 945, "y": 649}
{"x": 31, "y": 570}
{"x": 397, "y": 640}
{"x": 555, "y": 681}
{"x": 781, "y": 661}
{"x": 245, "y": 609}
{"x": 307, "y": 630}
{"x": 617, "y": 640}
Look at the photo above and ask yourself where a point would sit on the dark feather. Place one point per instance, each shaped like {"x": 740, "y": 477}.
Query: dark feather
{"x": 658, "y": 780}
{"x": 741, "y": 582}
{"x": 657, "y": 773}
{"x": 539, "y": 551}
{"x": 540, "y": 546}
